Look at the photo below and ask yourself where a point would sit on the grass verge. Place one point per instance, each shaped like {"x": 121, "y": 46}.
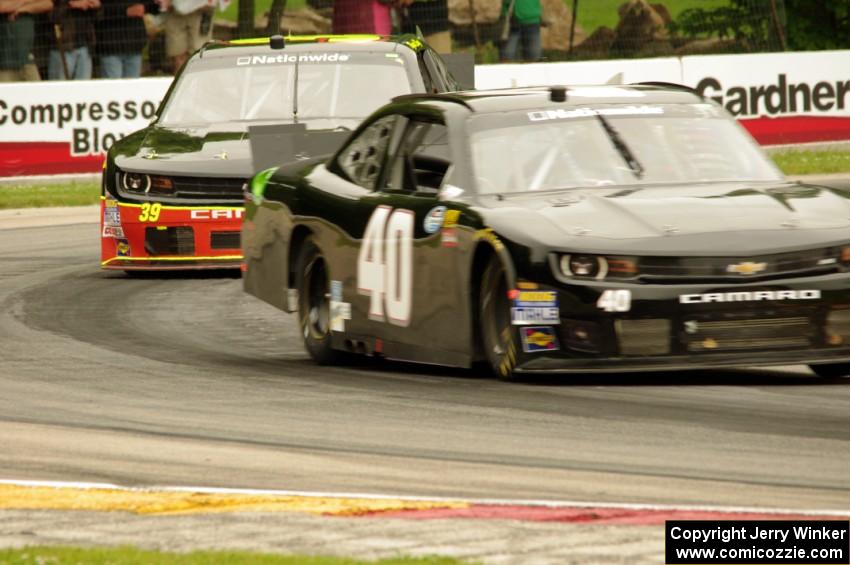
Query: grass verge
{"x": 42, "y": 195}
{"x": 133, "y": 556}
{"x": 82, "y": 193}
{"x": 812, "y": 162}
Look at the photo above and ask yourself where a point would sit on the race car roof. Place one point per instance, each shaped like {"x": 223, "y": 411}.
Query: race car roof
{"x": 508, "y": 99}
{"x": 363, "y": 42}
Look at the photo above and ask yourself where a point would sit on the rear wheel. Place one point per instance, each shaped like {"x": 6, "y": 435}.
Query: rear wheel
{"x": 498, "y": 336}
{"x": 314, "y": 303}
{"x": 831, "y": 370}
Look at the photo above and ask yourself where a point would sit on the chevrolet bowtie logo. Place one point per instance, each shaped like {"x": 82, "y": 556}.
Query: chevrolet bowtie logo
{"x": 746, "y": 268}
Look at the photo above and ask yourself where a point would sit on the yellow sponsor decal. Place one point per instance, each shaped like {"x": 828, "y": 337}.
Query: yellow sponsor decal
{"x": 525, "y": 285}
{"x": 451, "y": 218}
{"x": 540, "y": 339}
{"x": 537, "y": 296}
{"x": 140, "y": 501}
{"x": 298, "y": 38}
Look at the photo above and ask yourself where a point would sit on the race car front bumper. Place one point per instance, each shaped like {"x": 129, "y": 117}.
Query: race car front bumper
{"x": 152, "y": 236}
{"x": 666, "y": 327}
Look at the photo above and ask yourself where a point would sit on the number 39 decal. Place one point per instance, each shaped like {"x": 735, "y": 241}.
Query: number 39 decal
{"x": 385, "y": 265}
{"x": 150, "y": 212}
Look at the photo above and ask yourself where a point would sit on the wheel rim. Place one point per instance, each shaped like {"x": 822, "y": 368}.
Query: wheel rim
{"x": 317, "y": 319}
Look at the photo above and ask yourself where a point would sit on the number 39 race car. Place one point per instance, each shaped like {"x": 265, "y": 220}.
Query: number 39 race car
{"x": 172, "y": 192}
{"x": 562, "y": 229}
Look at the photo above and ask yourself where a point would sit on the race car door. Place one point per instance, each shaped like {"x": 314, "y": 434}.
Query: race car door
{"x": 404, "y": 282}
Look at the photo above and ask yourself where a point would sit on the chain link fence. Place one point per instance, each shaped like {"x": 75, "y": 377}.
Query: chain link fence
{"x": 125, "y": 38}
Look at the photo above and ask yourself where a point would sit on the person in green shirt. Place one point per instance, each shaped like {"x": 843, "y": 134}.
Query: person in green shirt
{"x": 521, "y": 35}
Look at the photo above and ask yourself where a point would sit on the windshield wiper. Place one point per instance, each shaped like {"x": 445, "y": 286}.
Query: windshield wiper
{"x": 621, "y": 146}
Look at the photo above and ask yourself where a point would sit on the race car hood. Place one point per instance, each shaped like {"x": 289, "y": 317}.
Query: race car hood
{"x": 709, "y": 219}
{"x": 211, "y": 150}
{"x": 223, "y": 150}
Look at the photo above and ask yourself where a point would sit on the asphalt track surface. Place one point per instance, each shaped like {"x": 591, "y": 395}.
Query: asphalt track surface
{"x": 184, "y": 380}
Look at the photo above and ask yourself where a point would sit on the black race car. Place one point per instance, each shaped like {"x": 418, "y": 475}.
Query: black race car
{"x": 172, "y": 192}
{"x": 563, "y": 229}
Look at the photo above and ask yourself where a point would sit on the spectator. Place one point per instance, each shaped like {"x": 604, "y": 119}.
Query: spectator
{"x": 522, "y": 20}
{"x": 72, "y": 37}
{"x": 362, "y": 16}
{"x": 121, "y": 37}
{"x": 432, "y": 18}
{"x": 188, "y": 25}
{"x": 17, "y": 37}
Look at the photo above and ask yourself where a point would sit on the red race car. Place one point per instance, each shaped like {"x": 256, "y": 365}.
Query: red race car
{"x": 173, "y": 193}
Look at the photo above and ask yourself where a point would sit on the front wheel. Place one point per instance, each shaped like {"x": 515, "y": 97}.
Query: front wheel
{"x": 498, "y": 336}
{"x": 831, "y": 370}
{"x": 314, "y": 303}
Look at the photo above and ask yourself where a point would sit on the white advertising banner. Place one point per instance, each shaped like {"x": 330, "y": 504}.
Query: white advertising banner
{"x": 779, "y": 97}
{"x": 621, "y": 71}
{"x": 66, "y": 126}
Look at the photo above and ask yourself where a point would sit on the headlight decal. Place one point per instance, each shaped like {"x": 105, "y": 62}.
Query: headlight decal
{"x": 597, "y": 267}
{"x": 135, "y": 182}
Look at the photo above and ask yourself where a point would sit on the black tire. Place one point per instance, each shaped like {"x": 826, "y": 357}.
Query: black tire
{"x": 314, "y": 303}
{"x": 498, "y": 335}
{"x": 831, "y": 370}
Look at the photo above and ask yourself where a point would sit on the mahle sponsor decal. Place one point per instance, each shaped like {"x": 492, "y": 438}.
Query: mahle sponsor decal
{"x": 284, "y": 58}
{"x": 753, "y": 296}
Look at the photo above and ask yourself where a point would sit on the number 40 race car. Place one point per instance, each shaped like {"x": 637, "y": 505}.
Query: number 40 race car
{"x": 564, "y": 229}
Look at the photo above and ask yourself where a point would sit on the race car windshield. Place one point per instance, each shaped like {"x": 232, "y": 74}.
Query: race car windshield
{"x": 612, "y": 145}
{"x": 336, "y": 89}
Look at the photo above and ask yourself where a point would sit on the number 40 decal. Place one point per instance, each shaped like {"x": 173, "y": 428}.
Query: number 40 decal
{"x": 615, "y": 301}
{"x": 385, "y": 265}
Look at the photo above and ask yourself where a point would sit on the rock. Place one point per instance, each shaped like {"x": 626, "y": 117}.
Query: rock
{"x": 662, "y": 11}
{"x": 486, "y": 12}
{"x": 598, "y": 45}
{"x": 639, "y": 24}
{"x": 555, "y": 36}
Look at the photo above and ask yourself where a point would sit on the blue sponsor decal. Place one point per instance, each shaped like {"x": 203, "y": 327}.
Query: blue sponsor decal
{"x": 434, "y": 219}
